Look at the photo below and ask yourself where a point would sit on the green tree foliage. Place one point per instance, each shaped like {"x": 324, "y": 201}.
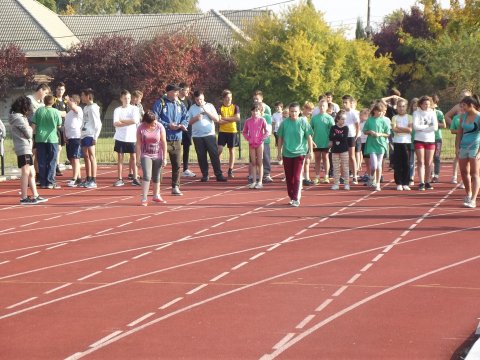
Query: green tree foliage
{"x": 297, "y": 57}
{"x": 51, "y": 4}
{"x": 128, "y": 6}
{"x": 360, "y": 30}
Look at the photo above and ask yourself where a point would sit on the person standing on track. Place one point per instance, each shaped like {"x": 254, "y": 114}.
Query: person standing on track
{"x": 73, "y": 132}
{"x": 294, "y": 142}
{"x": 184, "y": 97}
{"x": 467, "y": 146}
{"x": 402, "y": 124}
{"x": 228, "y": 133}
{"x": 353, "y": 123}
{"x": 61, "y": 104}
{"x": 321, "y": 125}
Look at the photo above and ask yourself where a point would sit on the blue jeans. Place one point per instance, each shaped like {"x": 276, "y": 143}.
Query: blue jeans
{"x": 47, "y": 162}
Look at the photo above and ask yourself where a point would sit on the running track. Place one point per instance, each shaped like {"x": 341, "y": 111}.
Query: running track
{"x": 225, "y": 272}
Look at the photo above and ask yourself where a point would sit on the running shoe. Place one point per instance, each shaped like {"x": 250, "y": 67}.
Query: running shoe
{"x": 435, "y": 179}
{"x": 135, "y": 182}
{"x": 267, "y": 179}
{"x": 58, "y": 172}
{"x": 54, "y": 186}
{"x": 188, "y": 173}
{"x": 91, "y": 184}
{"x": 295, "y": 203}
{"x": 406, "y": 188}
{"x": 399, "y": 187}
{"x": 471, "y": 204}
{"x": 428, "y": 186}
{"x": 230, "y": 174}
{"x": 421, "y": 187}
{"x": 258, "y": 185}
{"x": 326, "y": 180}
{"x": 335, "y": 187}
{"x": 316, "y": 181}
{"x": 158, "y": 200}
{"x": 27, "y": 201}
{"x": 355, "y": 181}
{"x": 72, "y": 183}
{"x": 118, "y": 183}
{"x": 347, "y": 187}
{"x": 40, "y": 199}
{"x": 454, "y": 180}
{"x": 467, "y": 200}
{"x": 252, "y": 185}
{"x": 144, "y": 202}
{"x": 176, "y": 191}
{"x": 378, "y": 187}
{"x": 130, "y": 177}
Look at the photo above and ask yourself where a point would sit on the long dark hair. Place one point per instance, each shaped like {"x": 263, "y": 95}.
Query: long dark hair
{"x": 471, "y": 100}
{"x": 21, "y": 105}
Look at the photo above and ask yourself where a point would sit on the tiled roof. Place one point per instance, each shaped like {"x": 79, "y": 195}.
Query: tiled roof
{"x": 37, "y": 30}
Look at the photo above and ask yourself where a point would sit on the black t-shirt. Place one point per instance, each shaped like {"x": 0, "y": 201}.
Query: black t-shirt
{"x": 339, "y": 136}
{"x": 391, "y": 111}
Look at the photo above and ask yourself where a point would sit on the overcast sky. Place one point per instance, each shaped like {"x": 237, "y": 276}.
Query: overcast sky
{"x": 337, "y": 12}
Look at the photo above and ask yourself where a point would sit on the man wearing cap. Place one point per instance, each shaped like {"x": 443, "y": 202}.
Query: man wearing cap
{"x": 172, "y": 114}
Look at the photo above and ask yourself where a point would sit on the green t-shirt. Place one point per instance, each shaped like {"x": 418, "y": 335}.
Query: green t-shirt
{"x": 321, "y": 124}
{"x": 295, "y": 135}
{"x": 376, "y": 145}
{"x": 47, "y": 120}
{"x": 455, "y": 122}
{"x": 441, "y": 119}
{"x": 266, "y": 109}
{"x": 268, "y": 119}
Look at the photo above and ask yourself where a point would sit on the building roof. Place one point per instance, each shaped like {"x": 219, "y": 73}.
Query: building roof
{"x": 38, "y": 31}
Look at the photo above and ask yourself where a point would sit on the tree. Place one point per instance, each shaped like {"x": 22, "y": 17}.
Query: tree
{"x": 129, "y": 6}
{"x": 106, "y": 64}
{"x": 297, "y": 56}
{"x": 13, "y": 69}
{"x": 168, "y": 6}
{"x": 360, "y": 30}
{"x": 51, "y": 4}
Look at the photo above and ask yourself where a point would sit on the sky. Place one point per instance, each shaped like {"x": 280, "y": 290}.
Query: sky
{"x": 336, "y": 12}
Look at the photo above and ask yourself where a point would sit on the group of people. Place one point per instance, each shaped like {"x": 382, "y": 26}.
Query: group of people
{"x": 329, "y": 135}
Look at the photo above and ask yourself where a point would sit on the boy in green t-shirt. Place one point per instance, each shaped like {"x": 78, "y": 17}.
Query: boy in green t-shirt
{"x": 294, "y": 142}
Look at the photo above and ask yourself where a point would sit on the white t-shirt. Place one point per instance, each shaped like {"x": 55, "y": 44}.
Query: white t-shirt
{"x": 126, "y": 133}
{"x": 351, "y": 121}
{"x": 402, "y": 121}
{"x": 425, "y": 124}
{"x": 363, "y": 137}
{"x": 277, "y": 119}
{"x": 205, "y": 126}
{"x": 73, "y": 124}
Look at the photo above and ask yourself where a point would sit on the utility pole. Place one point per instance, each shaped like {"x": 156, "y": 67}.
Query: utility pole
{"x": 368, "y": 28}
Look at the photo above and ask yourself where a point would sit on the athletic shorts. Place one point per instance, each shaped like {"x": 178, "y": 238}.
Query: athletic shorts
{"x": 23, "y": 160}
{"x": 229, "y": 139}
{"x": 87, "y": 141}
{"x": 363, "y": 151}
{"x": 61, "y": 139}
{"x": 351, "y": 141}
{"x": 470, "y": 153}
{"x": 74, "y": 149}
{"x": 423, "y": 145}
{"x": 320, "y": 149}
{"x": 123, "y": 147}
{"x": 358, "y": 145}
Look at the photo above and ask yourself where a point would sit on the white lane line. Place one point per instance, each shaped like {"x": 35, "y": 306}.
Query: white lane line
{"x": 313, "y": 225}
{"x": 420, "y": 220}
{"x": 405, "y": 233}
{"x": 366, "y": 267}
{"x": 304, "y": 322}
{"x": 24, "y": 256}
{"x": 198, "y": 288}
{"x": 55, "y": 246}
{"x": 55, "y": 217}
{"x": 141, "y": 255}
{"x": 323, "y": 305}
{"x": 184, "y": 238}
{"x": 32, "y": 223}
{"x": 57, "y": 288}
{"x": 257, "y": 256}
{"x": 106, "y": 338}
{"x": 324, "y": 219}
{"x": 5, "y": 230}
{"x": 170, "y": 303}
{"x": 125, "y": 224}
{"x": 378, "y": 257}
{"x": 117, "y": 264}
{"x": 288, "y": 239}
{"x": 201, "y": 231}
{"x": 340, "y": 291}
{"x": 354, "y": 278}
{"x": 413, "y": 226}
{"x": 4, "y": 262}
{"x": 397, "y": 240}
{"x": 388, "y": 248}
{"x": 140, "y": 319}
{"x": 163, "y": 246}
{"x": 89, "y": 275}
{"x": 300, "y": 232}
{"x": 103, "y": 231}
{"x": 75, "y": 356}
{"x": 217, "y": 225}
{"x": 21, "y": 302}
{"x": 218, "y": 277}
{"x": 274, "y": 247}
{"x": 140, "y": 219}
{"x": 285, "y": 340}
{"x": 233, "y": 218}
{"x": 240, "y": 265}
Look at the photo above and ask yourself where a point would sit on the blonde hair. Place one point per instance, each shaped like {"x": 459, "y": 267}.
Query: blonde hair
{"x": 309, "y": 105}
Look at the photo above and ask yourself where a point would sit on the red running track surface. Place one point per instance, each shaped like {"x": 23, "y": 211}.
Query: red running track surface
{"x": 225, "y": 272}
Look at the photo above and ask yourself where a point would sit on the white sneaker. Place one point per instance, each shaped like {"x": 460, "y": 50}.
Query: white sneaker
{"x": 406, "y": 188}
{"x": 454, "y": 180}
{"x": 258, "y": 185}
{"x": 188, "y": 173}
{"x": 335, "y": 187}
{"x": 471, "y": 204}
{"x": 295, "y": 203}
{"x": 467, "y": 200}
{"x": 252, "y": 185}
{"x": 347, "y": 187}
{"x": 461, "y": 186}
{"x": 176, "y": 191}
{"x": 378, "y": 188}
{"x": 399, "y": 187}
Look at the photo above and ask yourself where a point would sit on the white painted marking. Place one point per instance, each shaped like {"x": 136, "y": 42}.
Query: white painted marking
{"x": 388, "y": 248}
{"x": 300, "y": 232}
{"x": 106, "y": 338}
{"x": 405, "y": 233}
{"x": 285, "y": 340}
{"x": 366, "y": 267}
{"x": 413, "y": 226}
{"x": 21, "y": 303}
{"x": 103, "y": 231}
{"x": 340, "y": 291}
{"x": 75, "y": 356}
{"x": 55, "y": 217}
{"x": 125, "y": 224}
{"x": 4, "y": 262}
{"x": 378, "y": 257}
{"x": 5, "y": 230}
{"x": 304, "y": 322}
{"x": 257, "y": 256}
{"x": 219, "y": 224}
{"x": 354, "y": 278}
{"x": 324, "y": 219}
{"x": 334, "y": 214}
{"x": 313, "y": 225}
{"x": 117, "y": 264}
{"x": 259, "y": 208}
{"x": 240, "y": 265}
{"x": 183, "y": 239}
{"x": 140, "y": 319}
{"x": 397, "y": 240}
{"x": 220, "y": 276}
{"x": 201, "y": 231}
{"x": 198, "y": 288}
{"x": 89, "y": 275}
{"x": 32, "y": 223}
{"x": 55, "y": 246}
{"x": 170, "y": 303}
{"x": 164, "y": 246}
{"x": 57, "y": 288}
{"x": 141, "y": 255}
{"x": 143, "y": 218}
{"x": 274, "y": 247}
{"x": 24, "y": 256}
{"x": 419, "y": 220}
{"x": 288, "y": 239}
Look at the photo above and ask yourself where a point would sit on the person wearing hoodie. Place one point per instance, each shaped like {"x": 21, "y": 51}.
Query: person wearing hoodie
{"x": 22, "y": 136}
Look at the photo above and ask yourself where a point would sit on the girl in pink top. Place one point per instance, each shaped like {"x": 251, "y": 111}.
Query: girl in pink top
{"x": 151, "y": 148}
{"x": 255, "y": 131}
